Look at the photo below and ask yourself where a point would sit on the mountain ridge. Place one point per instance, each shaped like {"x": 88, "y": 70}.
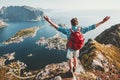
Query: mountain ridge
{"x": 21, "y": 13}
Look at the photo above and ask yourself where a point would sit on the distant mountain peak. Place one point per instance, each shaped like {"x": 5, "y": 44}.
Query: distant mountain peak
{"x": 21, "y": 13}
{"x": 110, "y": 36}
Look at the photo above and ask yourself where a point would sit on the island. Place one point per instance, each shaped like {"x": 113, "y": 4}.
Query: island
{"x": 2, "y": 24}
{"x": 20, "y": 35}
{"x": 55, "y": 42}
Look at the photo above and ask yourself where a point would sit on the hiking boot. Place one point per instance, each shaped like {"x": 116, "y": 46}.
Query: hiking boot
{"x": 70, "y": 73}
{"x": 74, "y": 69}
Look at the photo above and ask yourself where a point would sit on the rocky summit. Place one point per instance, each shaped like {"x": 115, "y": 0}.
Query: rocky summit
{"x": 97, "y": 62}
{"x": 102, "y": 60}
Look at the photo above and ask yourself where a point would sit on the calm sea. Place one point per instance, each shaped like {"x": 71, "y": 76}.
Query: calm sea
{"x": 42, "y": 56}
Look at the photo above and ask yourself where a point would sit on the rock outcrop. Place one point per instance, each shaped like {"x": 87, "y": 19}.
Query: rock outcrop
{"x": 52, "y": 71}
{"x": 20, "y": 13}
{"x": 102, "y": 60}
{"x": 110, "y": 36}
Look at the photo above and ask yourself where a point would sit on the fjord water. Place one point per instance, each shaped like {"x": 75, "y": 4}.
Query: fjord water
{"x": 41, "y": 55}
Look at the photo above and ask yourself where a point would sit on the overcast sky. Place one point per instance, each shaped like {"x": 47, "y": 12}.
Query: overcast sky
{"x": 66, "y": 4}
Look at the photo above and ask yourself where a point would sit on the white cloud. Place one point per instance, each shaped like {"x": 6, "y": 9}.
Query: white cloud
{"x": 66, "y": 4}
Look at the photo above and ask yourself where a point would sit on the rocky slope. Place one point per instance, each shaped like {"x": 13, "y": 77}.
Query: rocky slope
{"x": 20, "y": 13}
{"x": 102, "y": 60}
{"x": 98, "y": 62}
{"x": 110, "y": 36}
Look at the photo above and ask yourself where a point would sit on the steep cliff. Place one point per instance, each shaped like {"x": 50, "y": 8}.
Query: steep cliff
{"x": 20, "y": 13}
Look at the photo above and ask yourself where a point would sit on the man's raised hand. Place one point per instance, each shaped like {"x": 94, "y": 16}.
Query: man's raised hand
{"x": 106, "y": 19}
{"x": 51, "y": 22}
{"x": 103, "y": 21}
{"x": 47, "y": 18}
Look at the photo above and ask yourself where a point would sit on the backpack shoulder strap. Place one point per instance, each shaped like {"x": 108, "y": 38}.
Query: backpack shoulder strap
{"x": 71, "y": 30}
{"x": 78, "y": 29}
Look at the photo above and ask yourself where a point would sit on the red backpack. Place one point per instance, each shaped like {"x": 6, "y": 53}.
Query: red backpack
{"x": 76, "y": 40}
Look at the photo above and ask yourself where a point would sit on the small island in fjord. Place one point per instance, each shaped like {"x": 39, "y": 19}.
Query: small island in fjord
{"x": 20, "y": 35}
{"x": 2, "y": 24}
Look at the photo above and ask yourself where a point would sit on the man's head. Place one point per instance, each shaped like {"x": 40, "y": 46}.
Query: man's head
{"x": 74, "y": 21}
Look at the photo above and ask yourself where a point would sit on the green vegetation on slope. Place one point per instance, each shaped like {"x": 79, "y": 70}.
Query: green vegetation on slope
{"x": 18, "y": 37}
{"x": 25, "y": 32}
{"x": 111, "y": 52}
